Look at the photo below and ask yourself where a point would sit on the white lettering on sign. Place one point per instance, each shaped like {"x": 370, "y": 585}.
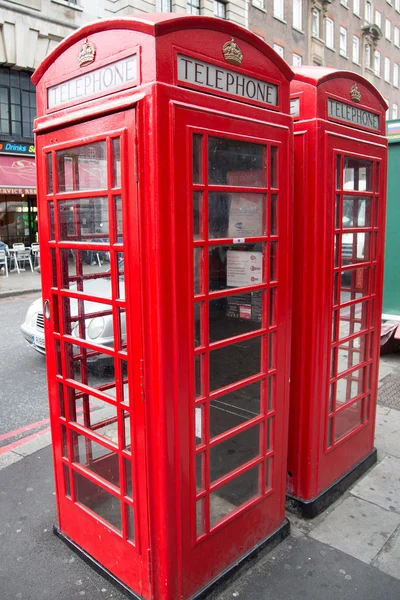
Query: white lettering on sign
{"x": 94, "y": 82}
{"x": 197, "y": 72}
{"x": 352, "y": 114}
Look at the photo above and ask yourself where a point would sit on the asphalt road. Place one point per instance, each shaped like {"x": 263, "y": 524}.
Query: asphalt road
{"x": 23, "y": 388}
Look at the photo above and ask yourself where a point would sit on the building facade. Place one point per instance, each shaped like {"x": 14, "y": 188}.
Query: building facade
{"x": 357, "y": 35}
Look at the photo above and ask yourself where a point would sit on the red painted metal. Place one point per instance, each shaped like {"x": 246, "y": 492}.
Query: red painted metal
{"x": 158, "y": 123}
{"x": 335, "y": 341}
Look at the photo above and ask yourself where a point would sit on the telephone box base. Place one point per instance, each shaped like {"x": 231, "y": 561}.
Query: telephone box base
{"x": 96, "y": 566}
{"x": 227, "y": 577}
{"x": 309, "y": 509}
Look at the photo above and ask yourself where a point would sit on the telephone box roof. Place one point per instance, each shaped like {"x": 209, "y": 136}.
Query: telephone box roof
{"x": 158, "y": 25}
{"x": 316, "y": 76}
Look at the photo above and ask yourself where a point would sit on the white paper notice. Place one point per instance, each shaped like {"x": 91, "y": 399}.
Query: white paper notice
{"x": 198, "y": 422}
{"x": 245, "y": 215}
{"x": 243, "y": 268}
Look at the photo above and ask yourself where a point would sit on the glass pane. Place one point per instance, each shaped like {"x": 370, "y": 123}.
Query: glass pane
{"x": 91, "y": 368}
{"x": 199, "y": 424}
{"x": 96, "y": 458}
{"x": 355, "y": 248}
{"x": 232, "y": 495}
{"x": 348, "y": 419}
{"x": 235, "y": 362}
{"x": 116, "y": 162}
{"x": 198, "y": 280}
{"x": 67, "y": 481}
{"x": 84, "y": 220}
{"x": 198, "y": 324}
{"x": 354, "y": 284}
{"x": 82, "y": 168}
{"x": 130, "y": 522}
{"x": 49, "y": 162}
{"x": 52, "y": 226}
{"x": 234, "y": 315}
{"x": 274, "y": 167}
{"x": 356, "y": 212}
{"x": 236, "y": 215}
{"x": 98, "y": 500}
{"x": 273, "y": 215}
{"x": 269, "y": 463}
{"x": 118, "y": 219}
{"x": 351, "y": 353}
{"x": 357, "y": 174}
{"x": 199, "y": 472}
{"x": 271, "y": 393}
{"x": 234, "y": 452}
{"x": 269, "y": 435}
{"x": 235, "y": 266}
{"x": 233, "y": 409}
{"x": 353, "y": 319}
{"x": 93, "y": 413}
{"x": 232, "y": 162}
{"x": 197, "y": 215}
{"x": 87, "y": 271}
{"x": 200, "y": 528}
{"x": 197, "y": 158}
{"x": 349, "y": 387}
{"x": 128, "y": 477}
{"x": 273, "y": 261}
{"x": 198, "y": 370}
{"x": 89, "y": 321}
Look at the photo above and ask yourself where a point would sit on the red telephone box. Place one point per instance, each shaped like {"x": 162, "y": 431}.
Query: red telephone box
{"x": 164, "y": 146}
{"x": 340, "y": 185}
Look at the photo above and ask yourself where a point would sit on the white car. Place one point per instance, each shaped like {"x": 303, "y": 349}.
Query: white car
{"x": 98, "y": 330}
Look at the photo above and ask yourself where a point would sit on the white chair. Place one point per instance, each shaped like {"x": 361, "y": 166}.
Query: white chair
{"x": 19, "y": 246}
{"x": 35, "y": 251}
{"x": 23, "y": 255}
{"x": 4, "y": 261}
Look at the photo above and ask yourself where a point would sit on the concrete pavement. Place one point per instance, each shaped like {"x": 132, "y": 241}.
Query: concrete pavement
{"x": 350, "y": 552}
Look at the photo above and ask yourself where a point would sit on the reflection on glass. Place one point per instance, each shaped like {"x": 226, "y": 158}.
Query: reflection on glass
{"x": 200, "y": 472}
{"x": 234, "y": 315}
{"x": 355, "y": 247}
{"x": 197, "y": 252}
{"x": 96, "y": 458}
{"x": 235, "y": 266}
{"x": 82, "y": 168}
{"x": 235, "y": 362}
{"x": 97, "y": 500}
{"x": 274, "y": 167}
{"x": 116, "y": 162}
{"x": 118, "y": 219}
{"x": 235, "y": 408}
{"x": 269, "y": 440}
{"x": 273, "y": 215}
{"x": 130, "y": 522}
{"x": 353, "y": 319}
{"x": 356, "y": 212}
{"x": 349, "y": 387}
{"x": 197, "y": 158}
{"x": 52, "y": 225}
{"x": 197, "y": 215}
{"x": 348, "y": 419}
{"x": 127, "y": 429}
{"x": 338, "y": 172}
{"x": 271, "y": 393}
{"x": 236, "y": 215}
{"x": 128, "y": 477}
{"x": 89, "y": 321}
{"x": 93, "y": 413}
{"x": 233, "y": 162}
{"x": 337, "y": 212}
{"x": 198, "y": 375}
{"x": 84, "y": 220}
{"x": 234, "y": 452}
{"x": 351, "y": 353}
{"x": 232, "y": 495}
{"x": 67, "y": 481}
{"x": 273, "y": 261}
{"x": 354, "y": 284}
{"x": 357, "y": 174}
{"x": 200, "y": 528}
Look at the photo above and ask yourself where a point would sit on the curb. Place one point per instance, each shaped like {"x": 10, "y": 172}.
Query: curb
{"x": 10, "y": 293}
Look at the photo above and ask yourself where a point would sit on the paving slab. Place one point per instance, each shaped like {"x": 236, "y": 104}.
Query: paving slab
{"x": 358, "y": 528}
{"x": 388, "y": 560}
{"x": 387, "y": 431}
{"x": 382, "y": 485}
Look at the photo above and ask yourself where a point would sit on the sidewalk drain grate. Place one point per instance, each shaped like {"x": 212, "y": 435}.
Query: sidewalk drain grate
{"x": 389, "y": 392}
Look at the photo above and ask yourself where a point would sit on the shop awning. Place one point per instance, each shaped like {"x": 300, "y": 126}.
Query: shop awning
{"x": 17, "y": 175}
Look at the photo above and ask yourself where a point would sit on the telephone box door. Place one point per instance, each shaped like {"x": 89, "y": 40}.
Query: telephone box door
{"x": 92, "y": 315}
{"x": 356, "y": 181}
{"x": 234, "y": 210}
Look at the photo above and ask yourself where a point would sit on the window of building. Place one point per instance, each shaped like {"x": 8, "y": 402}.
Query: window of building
{"x": 329, "y": 33}
{"x": 389, "y": 2}
{"x": 395, "y": 111}
{"x": 17, "y": 103}
{"x": 258, "y": 4}
{"x": 396, "y": 37}
{"x": 344, "y": 3}
{"x": 368, "y": 11}
{"x": 219, "y": 9}
{"x": 356, "y": 7}
{"x": 356, "y": 49}
{"x": 279, "y": 49}
{"x": 395, "y": 75}
{"x": 397, "y": 5}
{"x": 343, "y": 42}
{"x": 298, "y": 14}
{"x": 377, "y": 63}
{"x": 278, "y": 9}
{"x": 387, "y": 69}
{"x": 193, "y": 7}
{"x": 387, "y": 111}
{"x": 316, "y": 15}
{"x": 164, "y": 5}
{"x": 388, "y": 30}
{"x": 368, "y": 56}
{"x": 297, "y": 60}
{"x": 378, "y": 19}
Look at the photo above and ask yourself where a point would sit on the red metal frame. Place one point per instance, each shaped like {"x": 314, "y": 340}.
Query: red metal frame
{"x": 324, "y": 443}
{"x": 156, "y": 122}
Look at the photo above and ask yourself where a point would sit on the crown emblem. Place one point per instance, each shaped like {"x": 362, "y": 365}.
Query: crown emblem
{"x": 86, "y": 54}
{"x": 232, "y": 53}
{"x": 355, "y": 93}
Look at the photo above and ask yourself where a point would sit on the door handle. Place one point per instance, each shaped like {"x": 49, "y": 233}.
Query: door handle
{"x": 46, "y": 309}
